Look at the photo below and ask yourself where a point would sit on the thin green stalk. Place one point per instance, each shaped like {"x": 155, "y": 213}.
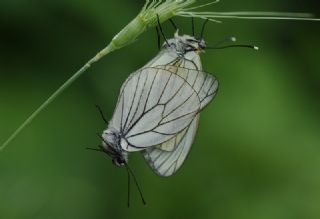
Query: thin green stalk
{"x": 249, "y": 15}
{"x": 64, "y": 86}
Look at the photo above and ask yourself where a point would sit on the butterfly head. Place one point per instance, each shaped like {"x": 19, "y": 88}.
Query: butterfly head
{"x": 119, "y": 158}
{"x": 192, "y": 43}
{"x": 185, "y": 44}
{"x": 118, "y": 161}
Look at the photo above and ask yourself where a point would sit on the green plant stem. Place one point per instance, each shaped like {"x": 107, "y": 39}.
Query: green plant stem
{"x": 64, "y": 86}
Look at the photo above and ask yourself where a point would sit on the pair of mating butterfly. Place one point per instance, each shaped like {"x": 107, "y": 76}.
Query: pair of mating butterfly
{"x": 158, "y": 108}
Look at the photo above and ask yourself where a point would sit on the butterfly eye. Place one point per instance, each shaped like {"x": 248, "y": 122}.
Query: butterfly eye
{"x": 118, "y": 161}
{"x": 190, "y": 49}
{"x": 202, "y": 45}
{"x": 192, "y": 40}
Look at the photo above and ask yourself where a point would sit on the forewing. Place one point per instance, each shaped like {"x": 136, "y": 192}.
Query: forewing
{"x": 166, "y": 163}
{"x": 116, "y": 121}
{"x": 165, "y": 159}
{"x": 164, "y": 57}
{"x": 205, "y": 84}
{"x": 190, "y": 60}
{"x": 171, "y": 144}
{"x": 154, "y": 105}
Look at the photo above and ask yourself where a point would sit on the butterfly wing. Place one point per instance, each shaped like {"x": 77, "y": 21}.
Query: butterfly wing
{"x": 166, "y": 163}
{"x": 154, "y": 105}
{"x": 204, "y": 84}
{"x": 165, "y": 159}
{"x": 170, "y": 57}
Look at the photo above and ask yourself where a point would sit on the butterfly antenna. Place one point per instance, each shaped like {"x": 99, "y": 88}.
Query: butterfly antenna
{"x": 136, "y": 182}
{"x": 226, "y": 40}
{"x": 128, "y": 198}
{"x": 95, "y": 149}
{"x": 192, "y": 26}
{"x": 232, "y": 46}
{"x": 173, "y": 24}
{"x": 101, "y": 113}
{"x": 100, "y": 137}
{"x": 158, "y": 37}
{"x": 203, "y": 28}
{"x": 161, "y": 31}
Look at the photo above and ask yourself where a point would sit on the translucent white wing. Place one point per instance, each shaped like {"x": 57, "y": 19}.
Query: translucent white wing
{"x": 166, "y": 163}
{"x": 164, "y": 57}
{"x": 165, "y": 159}
{"x": 190, "y": 60}
{"x": 154, "y": 105}
{"x": 203, "y": 83}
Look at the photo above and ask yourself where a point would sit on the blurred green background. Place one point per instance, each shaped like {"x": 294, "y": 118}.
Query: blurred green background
{"x": 257, "y": 151}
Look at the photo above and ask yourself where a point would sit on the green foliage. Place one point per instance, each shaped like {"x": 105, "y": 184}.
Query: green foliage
{"x": 256, "y": 154}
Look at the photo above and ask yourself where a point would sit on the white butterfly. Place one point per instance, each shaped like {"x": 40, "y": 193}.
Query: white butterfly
{"x": 158, "y": 108}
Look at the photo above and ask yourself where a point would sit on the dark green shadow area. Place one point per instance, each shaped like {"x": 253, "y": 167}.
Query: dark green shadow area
{"x": 257, "y": 151}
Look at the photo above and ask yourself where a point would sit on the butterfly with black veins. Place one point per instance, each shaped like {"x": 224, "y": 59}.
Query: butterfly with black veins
{"x": 158, "y": 108}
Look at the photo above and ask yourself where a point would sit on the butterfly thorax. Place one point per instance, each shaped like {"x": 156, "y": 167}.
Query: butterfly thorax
{"x": 111, "y": 144}
{"x": 181, "y": 51}
{"x": 181, "y": 45}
